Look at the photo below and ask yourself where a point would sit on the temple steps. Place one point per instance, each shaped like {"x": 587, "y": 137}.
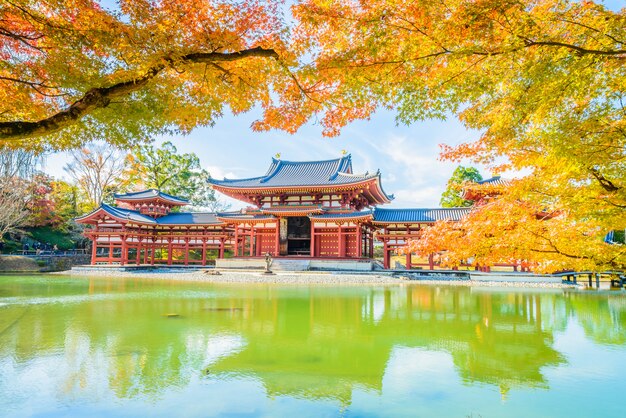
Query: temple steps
{"x": 296, "y": 264}
{"x": 291, "y": 265}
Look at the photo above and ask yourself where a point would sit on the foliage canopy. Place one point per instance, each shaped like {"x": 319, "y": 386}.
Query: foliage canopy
{"x": 543, "y": 80}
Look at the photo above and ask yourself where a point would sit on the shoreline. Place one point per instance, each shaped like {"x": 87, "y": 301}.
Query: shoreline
{"x": 306, "y": 277}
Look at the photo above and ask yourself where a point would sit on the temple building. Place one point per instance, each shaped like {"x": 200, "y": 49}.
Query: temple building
{"x": 310, "y": 209}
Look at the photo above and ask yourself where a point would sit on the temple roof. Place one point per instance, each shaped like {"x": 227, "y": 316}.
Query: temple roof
{"x": 293, "y": 210}
{"x": 151, "y": 194}
{"x": 120, "y": 213}
{"x": 494, "y": 181}
{"x": 180, "y": 218}
{"x": 489, "y": 187}
{"x": 419, "y": 215}
{"x": 283, "y": 173}
{"x": 342, "y": 215}
{"x": 189, "y": 218}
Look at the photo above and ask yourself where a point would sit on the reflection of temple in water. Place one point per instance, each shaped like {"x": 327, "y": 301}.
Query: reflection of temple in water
{"x": 314, "y": 343}
{"x": 493, "y": 338}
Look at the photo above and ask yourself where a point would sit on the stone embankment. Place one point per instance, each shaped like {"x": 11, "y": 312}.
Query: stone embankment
{"x": 41, "y": 264}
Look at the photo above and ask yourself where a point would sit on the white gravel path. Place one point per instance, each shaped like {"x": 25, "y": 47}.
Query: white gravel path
{"x": 305, "y": 277}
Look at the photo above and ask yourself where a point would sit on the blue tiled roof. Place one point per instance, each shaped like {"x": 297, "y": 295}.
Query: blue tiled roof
{"x": 182, "y": 218}
{"x": 419, "y": 215}
{"x": 149, "y": 194}
{"x": 189, "y": 218}
{"x": 246, "y": 217}
{"x": 495, "y": 181}
{"x": 302, "y": 173}
{"x": 120, "y": 213}
{"x": 342, "y": 215}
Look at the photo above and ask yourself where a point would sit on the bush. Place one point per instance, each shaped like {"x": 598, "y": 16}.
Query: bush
{"x": 47, "y": 234}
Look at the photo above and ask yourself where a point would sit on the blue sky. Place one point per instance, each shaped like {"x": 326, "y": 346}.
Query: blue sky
{"x": 407, "y": 156}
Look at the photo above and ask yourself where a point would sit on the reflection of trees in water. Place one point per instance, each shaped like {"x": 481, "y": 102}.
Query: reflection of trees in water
{"x": 318, "y": 342}
{"x": 602, "y": 316}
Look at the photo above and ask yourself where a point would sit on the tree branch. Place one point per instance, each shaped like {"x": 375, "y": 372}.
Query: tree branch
{"x": 604, "y": 182}
{"x": 100, "y": 97}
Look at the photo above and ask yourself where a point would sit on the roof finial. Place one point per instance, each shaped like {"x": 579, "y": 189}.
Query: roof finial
{"x": 344, "y": 152}
{"x": 278, "y": 156}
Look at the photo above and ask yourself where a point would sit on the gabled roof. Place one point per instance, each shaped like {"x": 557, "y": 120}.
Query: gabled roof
{"x": 343, "y": 215}
{"x": 189, "y": 218}
{"x": 242, "y": 216}
{"x": 419, "y": 215}
{"x": 151, "y": 194}
{"x": 282, "y": 173}
{"x": 293, "y": 209}
{"x": 494, "y": 181}
{"x": 121, "y": 214}
{"x": 489, "y": 187}
{"x": 181, "y": 218}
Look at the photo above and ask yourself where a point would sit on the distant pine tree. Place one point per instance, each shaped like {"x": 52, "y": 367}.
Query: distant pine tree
{"x": 452, "y": 196}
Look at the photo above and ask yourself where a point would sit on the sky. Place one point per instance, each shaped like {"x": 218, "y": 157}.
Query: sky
{"x": 407, "y": 156}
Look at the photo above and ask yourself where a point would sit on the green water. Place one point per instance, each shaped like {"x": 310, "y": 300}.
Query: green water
{"x": 98, "y": 347}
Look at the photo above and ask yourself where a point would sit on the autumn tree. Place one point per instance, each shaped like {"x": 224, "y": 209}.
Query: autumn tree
{"x": 542, "y": 80}
{"x": 17, "y": 169}
{"x": 97, "y": 169}
{"x": 452, "y": 196}
{"x": 164, "y": 169}
{"x": 68, "y": 200}
{"x": 74, "y": 71}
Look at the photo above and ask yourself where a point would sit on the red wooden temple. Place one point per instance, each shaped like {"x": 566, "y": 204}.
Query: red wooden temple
{"x": 314, "y": 209}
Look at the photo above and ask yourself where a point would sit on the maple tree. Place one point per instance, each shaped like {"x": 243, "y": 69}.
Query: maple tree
{"x": 542, "y": 80}
{"x": 75, "y": 71}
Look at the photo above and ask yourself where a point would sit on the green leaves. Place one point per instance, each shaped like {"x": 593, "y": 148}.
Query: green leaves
{"x": 166, "y": 170}
{"x": 452, "y": 196}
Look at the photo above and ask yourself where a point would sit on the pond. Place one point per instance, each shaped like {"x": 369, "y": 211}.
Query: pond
{"x": 133, "y": 347}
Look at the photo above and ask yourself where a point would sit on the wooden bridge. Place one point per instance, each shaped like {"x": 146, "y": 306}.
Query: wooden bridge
{"x": 616, "y": 278}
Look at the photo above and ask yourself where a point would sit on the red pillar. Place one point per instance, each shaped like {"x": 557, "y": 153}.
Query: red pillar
{"x": 431, "y": 261}
{"x": 359, "y": 241}
{"x": 203, "y": 252}
{"x": 138, "y": 254}
{"x": 94, "y": 249}
{"x": 187, "y": 249}
{"x": 110, "y": 249}
{"x": 341, "y": 249}
{"x": 124, "y": 249}
{"x": 252, "y": 236}
{"x": 277, "y": 243}
{"x": 221, "y": 254}
{"x": 408, "y": 261}
{"x": 386, "y": 259}
{"x": 145, "y": 251}
{"x": 257, "y": 243}
{"x": 236, "y": 240}
{"x": 370, "y": 237}
{"x": 169, "y": 251}
{"x": 312, "y": 252}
